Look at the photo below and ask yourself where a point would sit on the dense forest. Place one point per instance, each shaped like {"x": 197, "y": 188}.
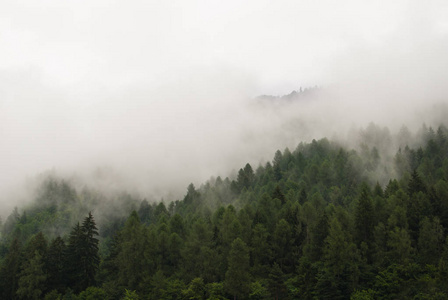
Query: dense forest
{"x": 324, "y": 221}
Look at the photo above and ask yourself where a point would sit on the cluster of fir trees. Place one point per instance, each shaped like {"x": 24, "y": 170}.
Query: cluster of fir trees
{"x": 39, "y": 268}
{"x": 312, "y": 224}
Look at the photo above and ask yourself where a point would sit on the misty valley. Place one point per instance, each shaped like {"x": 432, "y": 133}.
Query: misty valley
{"x": 326, "y": 220}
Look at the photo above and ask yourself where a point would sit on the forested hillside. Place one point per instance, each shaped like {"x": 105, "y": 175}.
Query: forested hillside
{"x": 324, "y": 221}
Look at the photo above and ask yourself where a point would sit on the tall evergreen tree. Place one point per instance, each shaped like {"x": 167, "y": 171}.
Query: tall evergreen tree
{"x": 82, "y": 258}
{"x": 276, "y": 281}
{"x": 430, "y": 241}
{"x": 260, "y": 250}
{"x": 340, "y": 260}
{"x": 38, "y": 243}
{"x": 130, "y": 260}
{"x": 9, "y": 272}
{"x": 73, "y": 259}
{"x": 90, "y": 257}
{"x": 364, "y": 218}
{"x": 54, "y": 265}
{"x": 416, "y": 184}
{"x": 32, "y": 278}
{"x": 237, "y": 276}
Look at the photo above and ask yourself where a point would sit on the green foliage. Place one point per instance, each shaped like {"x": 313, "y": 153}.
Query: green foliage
{"x": 258, "y": 291}
{"x": 10, "y": 270}
{"x": 195, "y": 290}
{"x": 90, "y": 257}
{"x": 319, "y": 222}
{"x": 363, "y": 295}
{"x": 215, "y": 291}
{"x": 92, "y": 293}
{"x": 53, "y": 295}
{"x": 82, "y": 258}
{"x": 129, "y": 257}
{"x": 130, "y": 295}
{"x": 364, "y": 217}
{"x": 32, "y": 278}
{"x": 55, "y": 265}
{"x": 237, "y": 276}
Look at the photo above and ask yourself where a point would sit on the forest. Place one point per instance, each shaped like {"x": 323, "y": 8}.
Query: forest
{"x": 327, "y": 220}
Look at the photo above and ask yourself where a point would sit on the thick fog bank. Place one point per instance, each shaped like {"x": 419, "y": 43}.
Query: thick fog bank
{"x": 154, "y": 143}
{"x": 148, "y": 108}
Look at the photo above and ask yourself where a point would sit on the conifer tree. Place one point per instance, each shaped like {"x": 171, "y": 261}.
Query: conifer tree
{"x": 32, "y": 278}
{"x": 38, "y": 243}
{"x": 73, "y": 258}
{"x": 54, "y": 265}
{"x": 276, "y": 281}
{"x": 364, "y": 218}
{"x": 9, "y": 272}
{"x": 237, "y": 275}
{"x": 90, "y": 256}
{"x": 260, "y": 249}
{"x": 130, "y": 257}
{"x": 82, "y": 258}
{"x": 416, "y": 184}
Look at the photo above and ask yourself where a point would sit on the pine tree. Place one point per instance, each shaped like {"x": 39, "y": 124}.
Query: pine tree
{"x": 364, "y": 218}
{"x": 430, "y": 241}
{"x": 54, "y": 264}
{"x": 340, "y": 260}
{"x": 237, "y": 275}
{"x": 9, "y": 272}
{"x": 278, "y": 194}
{"x": 38, "y": 243}
{"x": 303, "y": 197}
{"x": 260, "y": 249}
{"x": 277, "y": 167}
{"x": 416, "y": 184}
{"x": 130, "y": 259}
{"x": 90, "y": 256}
{"x": 282, "y": 243}
{"x": 320, "y": 233}
{"x": 400, "y": 247}
{"x": 73, "y": 259}
{"x": 276, "y": 279}
{"x": 245, "y": 178}
{"x": 32, "y": 278}
{"x": 82, "y": 258}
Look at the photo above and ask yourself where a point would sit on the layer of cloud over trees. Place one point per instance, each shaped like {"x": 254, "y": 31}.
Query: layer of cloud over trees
{"x": 322, "y": 221}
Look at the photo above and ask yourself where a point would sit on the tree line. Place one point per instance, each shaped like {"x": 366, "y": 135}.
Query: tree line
{"x": 315, "y": 223}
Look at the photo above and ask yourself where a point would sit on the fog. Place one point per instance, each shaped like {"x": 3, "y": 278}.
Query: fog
{"x": 149, "y": 96}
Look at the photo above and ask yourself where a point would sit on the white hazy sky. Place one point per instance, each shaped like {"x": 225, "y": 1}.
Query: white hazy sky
{"x": 155, "y": 86}
{"x": 85, "y": 45}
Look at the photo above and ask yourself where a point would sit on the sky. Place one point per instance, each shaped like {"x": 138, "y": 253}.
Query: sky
{"x": 161, "y": 92}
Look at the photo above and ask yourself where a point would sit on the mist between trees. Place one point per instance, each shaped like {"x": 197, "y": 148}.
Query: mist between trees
{"x": 323, "y": 220}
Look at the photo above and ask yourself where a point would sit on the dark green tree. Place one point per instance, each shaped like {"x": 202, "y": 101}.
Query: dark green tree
{"x": 237, "y": 276}
{"x": 73, "y": 259}
{"x": 32, "y": 278}
{"x": 130, "y": 258}
{"x": 9, "y": 272}
{"x": 430, "y": 241}
{"x": 364, "y": 218}
{"x": 82, "y": 258}
{"x": 282, "y": 244}
{"x": 54, "y": 265}
{"x": 260, "y": 250}
{"x": 90, "y": 259}
{"x": 195, "y": 290}
{"x": 276, "y": 282}
{"x": 278, "y": 194}
{"x": 416, "y": 184}
{"x": 277, "y": 165}
{"x": 145, "y": 212}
